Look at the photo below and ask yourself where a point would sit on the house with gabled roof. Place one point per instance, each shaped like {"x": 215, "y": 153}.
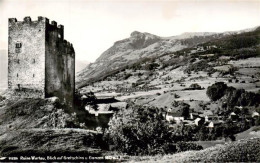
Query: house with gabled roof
{"x": 212, "y": 124}
{"x": 199, "y": 121}
{"x": 175, "y": 117}
{"x": 255, "y": 114}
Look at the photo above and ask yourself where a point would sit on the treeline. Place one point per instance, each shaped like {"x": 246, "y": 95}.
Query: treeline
{"x": 225, "y": 130}
{"x": 232, "y": 97}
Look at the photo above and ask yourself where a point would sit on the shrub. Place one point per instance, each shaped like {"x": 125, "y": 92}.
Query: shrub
{"x": 151, "y": 66}
{"x": 127, "y": 76}
{"x": 246, "y": 151}
{"x": 195, "y": 86}
{"x": 176, "y": 96}
{"x": 199, "y": 66}
{"x": 2, "y": 98}
{"x": 187, "y": 146}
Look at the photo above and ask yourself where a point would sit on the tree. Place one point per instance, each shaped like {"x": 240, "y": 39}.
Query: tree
{"x": 229, "y": 131}
{"x": 185, "y": 108}
{"x": 216, "y": 91}
{"x": 182, "y": 107}
{"x": 139, "y": 130}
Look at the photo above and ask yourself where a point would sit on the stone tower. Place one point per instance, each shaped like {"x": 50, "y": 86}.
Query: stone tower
{"x": 41, "y": 63}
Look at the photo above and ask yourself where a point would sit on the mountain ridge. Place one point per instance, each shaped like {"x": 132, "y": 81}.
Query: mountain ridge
{"x": 141, "y": 45}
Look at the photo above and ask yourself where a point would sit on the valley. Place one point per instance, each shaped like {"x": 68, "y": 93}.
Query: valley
{"x": 148, "y": 98}
{"x": 158, "y": 81}
{"x": 209, "y": 89}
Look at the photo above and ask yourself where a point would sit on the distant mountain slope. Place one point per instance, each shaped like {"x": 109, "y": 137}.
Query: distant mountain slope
{"x": 233, "y": 59}
{"x": 80, "y": 65}
{"x": 3, "y": 68}
{"x": 137, "y": 47}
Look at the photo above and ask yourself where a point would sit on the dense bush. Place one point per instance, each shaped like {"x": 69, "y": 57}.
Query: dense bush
{"x": 200, "y": 66}
{"x": 142, "y": 131}
{"x": 186, "y": 146}
{"x": 138, "y": 131}
{"x": 246, "y": 151}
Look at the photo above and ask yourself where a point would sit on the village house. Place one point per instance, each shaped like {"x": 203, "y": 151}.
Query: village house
{"x": 214, "y": 123}
{"x": 255, "y": 114}
{"x": 199, "y": 121}
{"x": 206, "y": 114}
{"x": 233, "y": 116}
{"x": 194, "y": 116}
{"x": 174, "y": 117}
{"x": 101, "y": 109}
{"x": 212, "y": 118}
{"x": 200, "y": 48}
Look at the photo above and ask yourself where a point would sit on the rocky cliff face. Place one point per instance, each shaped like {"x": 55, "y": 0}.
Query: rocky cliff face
{"x": 138, "y": 46}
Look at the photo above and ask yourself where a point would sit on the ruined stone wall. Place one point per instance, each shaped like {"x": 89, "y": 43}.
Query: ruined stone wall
{"x": 71, "y": 72}
{"x": 58, "y": 67}
{"x": 26, "y": 55}
{"x": 40, "y": 62}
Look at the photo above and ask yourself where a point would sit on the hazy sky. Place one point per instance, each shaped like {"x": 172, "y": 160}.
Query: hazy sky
{"x": 94, "y": 25}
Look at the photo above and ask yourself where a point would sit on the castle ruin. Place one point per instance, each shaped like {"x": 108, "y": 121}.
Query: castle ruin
{"x": 41, "y": 63}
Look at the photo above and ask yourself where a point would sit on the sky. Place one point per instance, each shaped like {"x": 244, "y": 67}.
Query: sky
{"x": 92, "y": 26}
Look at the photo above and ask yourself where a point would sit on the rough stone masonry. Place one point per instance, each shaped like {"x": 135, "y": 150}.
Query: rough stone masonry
{"x": 41, "y": 63}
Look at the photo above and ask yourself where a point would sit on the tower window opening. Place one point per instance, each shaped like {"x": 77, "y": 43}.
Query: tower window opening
{"x": 18, "y": 61}
{"x": 17, "y": 75}
{"x": 33, "y": 75}
{"x": 18, "y": 45}
{"x": 33, "y": 60}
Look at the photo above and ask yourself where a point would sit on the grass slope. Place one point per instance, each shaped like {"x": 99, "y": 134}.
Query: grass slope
{"x": 42, "y": 127}
{"x": 239, "y": 151}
